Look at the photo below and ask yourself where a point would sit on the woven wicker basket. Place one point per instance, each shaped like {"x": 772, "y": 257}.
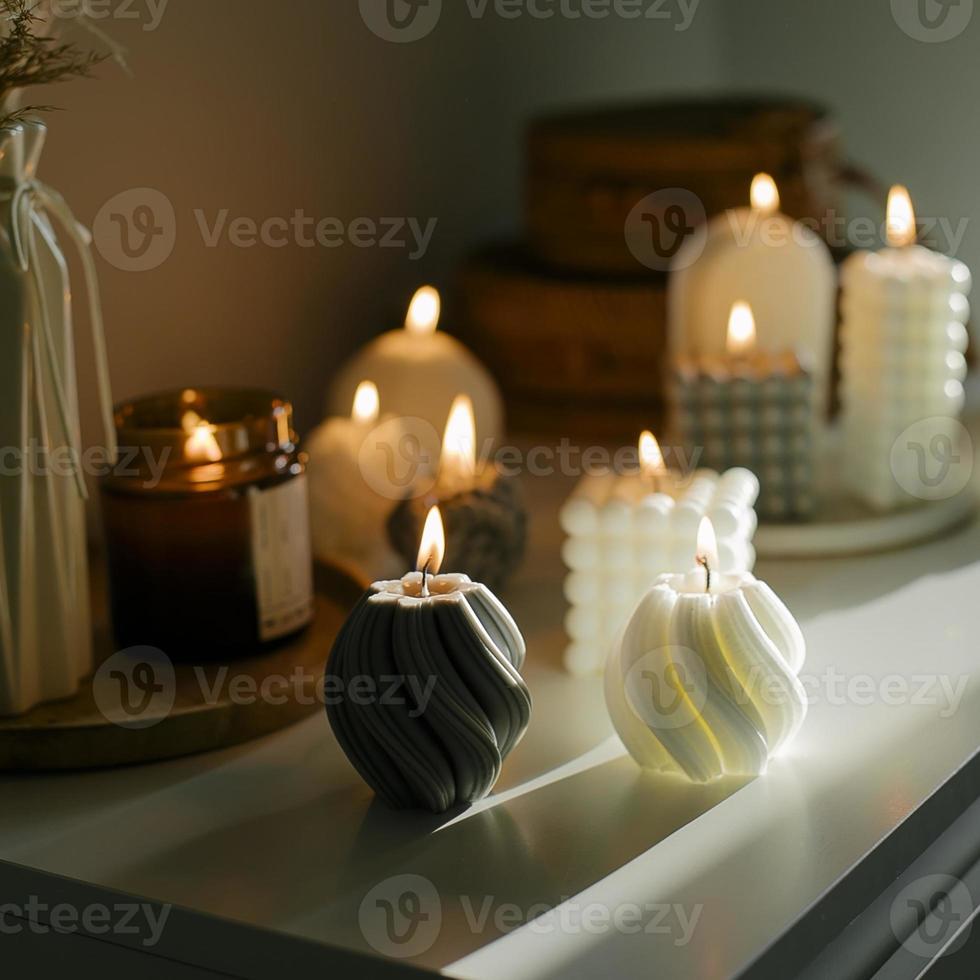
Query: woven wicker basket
{"x": 578, "y": 356}
{"x": 588, "y": 170}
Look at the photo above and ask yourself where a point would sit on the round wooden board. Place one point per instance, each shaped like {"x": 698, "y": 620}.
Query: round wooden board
{"x": 214, "y": 706}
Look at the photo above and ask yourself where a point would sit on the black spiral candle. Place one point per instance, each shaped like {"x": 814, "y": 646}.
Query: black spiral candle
{"x": 423, "y": 686}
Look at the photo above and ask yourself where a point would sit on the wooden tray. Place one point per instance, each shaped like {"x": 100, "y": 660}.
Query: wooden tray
{"x": 205, "y": 713}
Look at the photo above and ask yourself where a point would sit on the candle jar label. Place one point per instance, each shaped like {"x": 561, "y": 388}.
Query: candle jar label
{"x": 282, "y": 559}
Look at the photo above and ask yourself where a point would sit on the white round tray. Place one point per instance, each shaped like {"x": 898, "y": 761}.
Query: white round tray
{"x": 845, "y": 527}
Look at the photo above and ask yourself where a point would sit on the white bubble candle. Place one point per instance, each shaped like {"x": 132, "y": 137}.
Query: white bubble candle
{"x": 903, "y": 340}
{"x": 623, "y": 530}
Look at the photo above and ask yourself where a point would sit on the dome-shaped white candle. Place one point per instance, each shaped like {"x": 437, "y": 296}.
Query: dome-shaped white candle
{"x": 780, "y": 267}
{"x": 421, "y": 369}
{"x": 704, "y": 679}
{"x": 349, "y": 505}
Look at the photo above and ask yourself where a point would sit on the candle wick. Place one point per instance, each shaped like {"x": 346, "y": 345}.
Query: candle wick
{"x": 425, "y": 579}
{"x": 702, "y": 560}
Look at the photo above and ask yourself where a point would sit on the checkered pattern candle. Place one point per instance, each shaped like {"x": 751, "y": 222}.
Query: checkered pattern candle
{"x": 623, "y": 530}
{"x": 751, "y": 409}
{"x": 903, "y": 338}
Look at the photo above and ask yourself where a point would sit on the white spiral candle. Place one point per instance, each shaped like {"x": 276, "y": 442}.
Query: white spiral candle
{"x": 704, "y": 680}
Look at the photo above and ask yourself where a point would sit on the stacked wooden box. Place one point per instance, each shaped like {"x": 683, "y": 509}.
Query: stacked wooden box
{"x": 572, "y": 323}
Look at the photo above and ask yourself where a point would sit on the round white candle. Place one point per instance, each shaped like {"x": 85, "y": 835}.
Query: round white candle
{"x": 421, "y": 370}
{"x": 778, "y": 265}
{"x": 347, "y": 511}
{"x": 903, "y": 341}
{"x": 704, "y": 680}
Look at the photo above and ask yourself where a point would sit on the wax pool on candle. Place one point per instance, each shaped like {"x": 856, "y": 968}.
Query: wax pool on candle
{"x": 781, "y": 268}
{"x": 751, "y": 408}
{"x": 704, "y": 681}
{"x": 903, "y": 339}
{"x": 623, "y": 530}
{"x": 454, "y": 654}
{"x": 420, "y": 370}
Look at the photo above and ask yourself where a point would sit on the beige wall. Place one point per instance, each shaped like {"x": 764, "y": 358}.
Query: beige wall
{"x": 232, "y": 107}
{"x": 905, "y": 106}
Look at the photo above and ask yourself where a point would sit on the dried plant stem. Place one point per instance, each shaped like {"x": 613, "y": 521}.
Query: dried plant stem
{"x": 28, "y": 58}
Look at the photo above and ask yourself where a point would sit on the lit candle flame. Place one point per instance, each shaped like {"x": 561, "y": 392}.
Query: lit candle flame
{"x": 764, "y": 194}
{"x": 433, "y": 548}
{"x": 201, "y": 445}
{"x": 707, "y": 554}
{"x": 424, "y": 312}
{"x": 651, "y": 456}
{"x": 367, "y": 403}
{"x": 741, "y": 329}
{"x": 900, "y": 218}
{"x": 457, "y": 465}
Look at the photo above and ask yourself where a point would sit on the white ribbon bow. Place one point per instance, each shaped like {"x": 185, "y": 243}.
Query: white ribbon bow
{"x": 25, "y": 201}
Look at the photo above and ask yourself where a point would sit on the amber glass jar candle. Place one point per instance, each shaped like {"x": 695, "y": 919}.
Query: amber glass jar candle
{"x": 207, "y": 524}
